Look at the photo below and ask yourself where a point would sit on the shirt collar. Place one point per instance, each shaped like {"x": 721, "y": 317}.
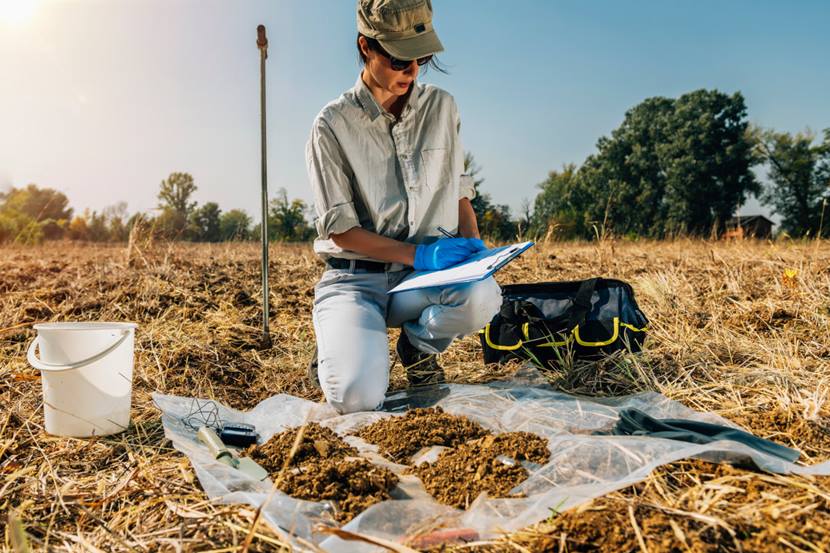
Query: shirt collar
{"x": 371, "y": 106}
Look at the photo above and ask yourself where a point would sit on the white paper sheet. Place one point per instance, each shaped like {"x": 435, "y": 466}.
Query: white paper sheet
{"x": 479, "y": 267}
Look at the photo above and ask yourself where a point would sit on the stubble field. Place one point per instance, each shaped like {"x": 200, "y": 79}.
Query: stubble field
{"x": 740, "y": 329}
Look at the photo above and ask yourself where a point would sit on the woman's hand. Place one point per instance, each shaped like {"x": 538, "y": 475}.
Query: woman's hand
{"x": 445, "y": 252}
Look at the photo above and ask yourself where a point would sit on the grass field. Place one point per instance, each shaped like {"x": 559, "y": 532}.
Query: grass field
{"x": 741, "y": 329}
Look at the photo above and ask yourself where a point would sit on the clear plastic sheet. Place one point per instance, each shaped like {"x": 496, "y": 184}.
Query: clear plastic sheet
{"x": 582, "y": 465}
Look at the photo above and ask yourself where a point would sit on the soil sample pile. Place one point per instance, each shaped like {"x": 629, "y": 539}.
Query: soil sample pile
{"x": 317, "y": 443}
{"x": 323, "y": 468}
{"x": 399, "y": 438}
{"x": 520, "y": 446}
{"x": 489, "y": 464}
{"x": 351, "y": 485}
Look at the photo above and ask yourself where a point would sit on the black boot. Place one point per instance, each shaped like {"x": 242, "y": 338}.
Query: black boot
{"x": 421, "y": 368}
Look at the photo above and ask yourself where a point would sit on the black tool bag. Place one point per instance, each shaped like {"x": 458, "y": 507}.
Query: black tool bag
{"x": 548, "y": 322}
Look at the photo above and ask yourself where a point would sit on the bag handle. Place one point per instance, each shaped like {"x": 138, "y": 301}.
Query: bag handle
{"x": 582, "y": 302}
{"x": 43, "y": 366}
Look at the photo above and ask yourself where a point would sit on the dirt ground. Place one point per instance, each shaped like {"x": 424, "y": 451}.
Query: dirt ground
{"x": 730, "y": 333}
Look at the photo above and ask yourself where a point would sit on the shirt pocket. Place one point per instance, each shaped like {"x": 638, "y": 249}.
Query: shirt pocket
{"x": 435, "y": 168}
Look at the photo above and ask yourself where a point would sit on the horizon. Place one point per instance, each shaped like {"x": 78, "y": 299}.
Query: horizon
{"x": 109, "y": 98}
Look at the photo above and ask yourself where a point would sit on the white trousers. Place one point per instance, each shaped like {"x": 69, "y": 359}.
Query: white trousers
{"x": 352, "y": 312}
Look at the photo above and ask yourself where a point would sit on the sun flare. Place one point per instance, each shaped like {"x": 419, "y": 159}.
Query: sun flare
{"x": 17, "y": 12}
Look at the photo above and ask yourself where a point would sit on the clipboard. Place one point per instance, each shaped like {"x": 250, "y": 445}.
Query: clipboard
{"x": 478, "y": 267}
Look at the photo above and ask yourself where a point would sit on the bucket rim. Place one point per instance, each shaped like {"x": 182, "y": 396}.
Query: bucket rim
{"x": 85, "y": 325}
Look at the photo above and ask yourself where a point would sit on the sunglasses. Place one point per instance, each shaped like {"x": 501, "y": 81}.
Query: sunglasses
{"x": 400, "y": 65}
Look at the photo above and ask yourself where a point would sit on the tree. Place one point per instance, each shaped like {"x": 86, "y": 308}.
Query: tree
{"x": 286, "y": 219}
{"x": 481, "y": 201}
{"x": 170, "y": 225}
{"x": 673, "y": 166}
{"x": 708, "y": 161}
{"x": 493, "y": 220}
{"x": 117, "y": 222}
{"x": 799, "y": 173}
{"x": 175, "y": 193}
{"x": 205, "y": 223}
{"x": 234, "y": 225}
{"x": 77, "y": 229}
{"x": 176, "y": 207}
{"x": 556, "y": 208}
{"x": 44, "y": 208}
{"x": 97, "y": 229}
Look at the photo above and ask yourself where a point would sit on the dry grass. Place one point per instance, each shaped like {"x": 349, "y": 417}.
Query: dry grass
{"x": 731, "y": 333}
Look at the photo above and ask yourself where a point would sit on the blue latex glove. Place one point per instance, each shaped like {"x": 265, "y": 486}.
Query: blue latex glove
{"x": 445, "y": 252}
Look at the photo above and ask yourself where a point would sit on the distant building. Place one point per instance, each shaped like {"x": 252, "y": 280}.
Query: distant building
{"x": 748, "y": 226}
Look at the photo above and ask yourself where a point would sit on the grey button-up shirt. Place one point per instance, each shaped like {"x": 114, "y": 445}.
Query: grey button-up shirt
{"x": 399, "y": 178}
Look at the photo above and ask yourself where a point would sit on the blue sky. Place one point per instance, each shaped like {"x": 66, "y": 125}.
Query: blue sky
{"x": 102, "y": 99}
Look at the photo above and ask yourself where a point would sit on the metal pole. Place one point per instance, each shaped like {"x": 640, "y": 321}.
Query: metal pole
{"x": 262, "y": 44}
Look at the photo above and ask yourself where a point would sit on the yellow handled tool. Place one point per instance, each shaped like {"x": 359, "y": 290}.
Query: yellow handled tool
{"x": 221, "y": 453}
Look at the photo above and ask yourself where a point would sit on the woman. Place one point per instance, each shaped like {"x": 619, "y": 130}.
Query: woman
{"x": 385, "y": 164}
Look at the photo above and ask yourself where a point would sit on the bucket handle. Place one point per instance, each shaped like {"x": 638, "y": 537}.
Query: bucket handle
{"x": 42, "y": 366}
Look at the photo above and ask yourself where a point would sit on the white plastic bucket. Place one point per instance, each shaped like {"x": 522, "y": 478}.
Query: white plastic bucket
{"x": 87, "y": 373}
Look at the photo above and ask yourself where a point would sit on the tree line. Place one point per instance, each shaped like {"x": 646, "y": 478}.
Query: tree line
{"x": 675, "y": 166}
{"x": 683, "y": 167}
{"x": 32, "y": 214}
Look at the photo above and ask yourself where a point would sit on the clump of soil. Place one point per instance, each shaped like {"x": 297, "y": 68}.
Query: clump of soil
{"x": 398, "y": 438}
{"x": 317, "y": 443}
{"x": 520, "y": 446}
{"x": 352, "y": 485}
{"x": 488, "y": 464}
{"x": 323, "y": 469}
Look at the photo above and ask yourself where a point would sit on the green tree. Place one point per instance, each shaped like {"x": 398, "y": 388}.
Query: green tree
{"x": 33, "y": 206}
{"x": 205, "y": 223}
{"x": 494, "y": 220}
{"x": 19, "y": 228}
{"x": 97, "y": 228}
{"x": 674, "y": 166}
{"x": 557, "y": 208}
{"x": 799, "y": 174}
{"x": 175, "y": 193}
{"x": 234, "y": 224}
{"x": 171, "y": 225}
{"x": 174, "y": 201}
{"x": 472, "y": 169}
{"x": 708, "y": 161}
{"x": 117, "y": 222}
{"x": 286, "y": 219}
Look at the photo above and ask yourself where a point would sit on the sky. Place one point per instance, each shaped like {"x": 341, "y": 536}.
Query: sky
{"x": 102, "y": 99}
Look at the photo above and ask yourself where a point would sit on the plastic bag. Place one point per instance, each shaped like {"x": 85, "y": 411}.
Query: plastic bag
{"x": 582, "y": 466}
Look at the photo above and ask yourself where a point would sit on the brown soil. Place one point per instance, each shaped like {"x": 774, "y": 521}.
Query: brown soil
{"x": 605, "y": 524}
{"x": 399, "y": 438}
{"x": 198, "y": 309}
{"x": 351, "y": 485}
{"x": 318, "y": 443}
{"x": 789, "y": 428}
{"x": 321, "y": 470}
{"x": 460, "y": 474}
{"x": 521, "y": 446}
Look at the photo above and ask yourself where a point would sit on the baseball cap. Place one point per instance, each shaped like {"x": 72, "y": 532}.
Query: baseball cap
{"x": 403, "y": 27}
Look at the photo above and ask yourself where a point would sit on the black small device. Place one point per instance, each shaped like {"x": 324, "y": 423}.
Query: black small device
{"x": 238, "y": 434}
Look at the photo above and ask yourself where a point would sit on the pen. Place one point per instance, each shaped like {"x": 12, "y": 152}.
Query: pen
{"x": 445, "y": 232}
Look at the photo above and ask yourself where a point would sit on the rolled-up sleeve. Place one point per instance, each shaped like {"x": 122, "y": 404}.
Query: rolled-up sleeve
{"x": 330, "y": 177}
{"x": 466, "y": 183}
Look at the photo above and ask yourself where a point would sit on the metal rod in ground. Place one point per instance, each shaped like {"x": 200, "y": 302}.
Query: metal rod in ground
{"x": 262, "y": 44}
